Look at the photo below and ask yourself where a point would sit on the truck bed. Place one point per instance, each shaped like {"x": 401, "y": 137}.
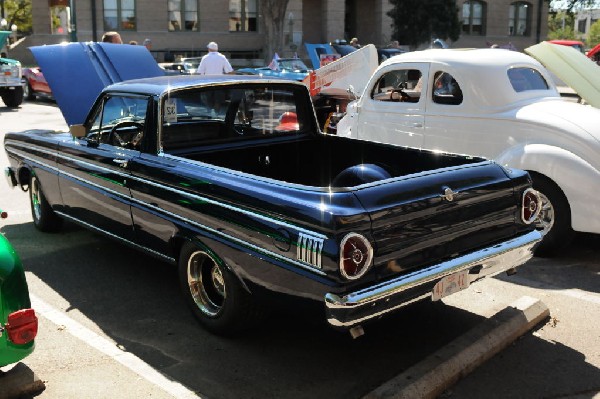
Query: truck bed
{"x": 317, "y": 162}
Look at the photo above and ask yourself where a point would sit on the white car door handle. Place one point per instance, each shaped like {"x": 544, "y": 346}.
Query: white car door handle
{"x": 417, "y": 124}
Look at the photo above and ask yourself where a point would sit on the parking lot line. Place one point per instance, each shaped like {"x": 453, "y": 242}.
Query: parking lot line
{"x": 110, "y": 349}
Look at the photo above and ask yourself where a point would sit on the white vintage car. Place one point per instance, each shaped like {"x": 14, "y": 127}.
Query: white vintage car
{"x": 497, "y": 103}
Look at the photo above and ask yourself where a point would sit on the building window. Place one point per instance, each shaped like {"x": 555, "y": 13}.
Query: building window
{"x": 473, "y": 17}
{"x": 243, "y": 15}
{"x": 581, "y": 25}
{"x": 518, "y": 19}
{"x": 119, "y": 15}
{"x": 183, "y": 15}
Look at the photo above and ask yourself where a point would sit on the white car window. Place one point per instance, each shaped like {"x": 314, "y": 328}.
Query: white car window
{"x": 446, "y": 89}
{"x": 398, "y": 85}
{"x": 523, "y": 79}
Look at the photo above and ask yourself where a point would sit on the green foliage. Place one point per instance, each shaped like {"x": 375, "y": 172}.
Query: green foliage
{"x": 18, "y": 12}
{"x": 594, "y": 35}
{"x": 418, "y": 21}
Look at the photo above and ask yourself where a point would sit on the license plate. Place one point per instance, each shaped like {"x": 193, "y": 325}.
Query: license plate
{"x": 450, "y": 284}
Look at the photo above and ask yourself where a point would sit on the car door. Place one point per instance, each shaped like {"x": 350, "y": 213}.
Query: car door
{"x": 393, "y": 105}
{"x": 93, "y": 170}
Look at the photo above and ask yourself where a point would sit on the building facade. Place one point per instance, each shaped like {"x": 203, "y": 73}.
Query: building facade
{"x": 184, "y": 27}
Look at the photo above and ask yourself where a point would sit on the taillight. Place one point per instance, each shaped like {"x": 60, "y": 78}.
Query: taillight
{"x": 531, "y": 206}
{"x": 356, "y": 255}
{"x": 22, "y": 326}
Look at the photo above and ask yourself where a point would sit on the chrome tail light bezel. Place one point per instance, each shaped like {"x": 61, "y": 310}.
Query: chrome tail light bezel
{"x": 531, "y": 206}
{"x": 358, "y": 251}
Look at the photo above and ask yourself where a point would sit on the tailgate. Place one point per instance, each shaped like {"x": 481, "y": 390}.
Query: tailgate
{"x": 429, "y": 217}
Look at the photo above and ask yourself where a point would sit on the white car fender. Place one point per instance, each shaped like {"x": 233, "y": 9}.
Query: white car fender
{"x": 579, "y": 181}
{"x": 346, "y": 127}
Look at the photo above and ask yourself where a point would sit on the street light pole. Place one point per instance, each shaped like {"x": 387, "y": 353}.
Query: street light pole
{"x": 73, "y": 20}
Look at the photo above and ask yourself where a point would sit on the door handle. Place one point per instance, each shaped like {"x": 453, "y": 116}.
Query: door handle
{"x": 121, "y": 162}
{"x": 417, "y": 124}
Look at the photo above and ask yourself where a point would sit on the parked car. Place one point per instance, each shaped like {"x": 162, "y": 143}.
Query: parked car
{"x": 18, "y": 321}
{"x": 11, "y": 89}
{"x": 499, "y": 104}
{"x": 34, "y": 84}
{"x": 576, "y": 44}
{"x": 287, "y": 68}
{"x": 230, "y": 178}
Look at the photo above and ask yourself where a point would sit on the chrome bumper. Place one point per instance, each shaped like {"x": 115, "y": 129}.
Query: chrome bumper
{"x": 357, "y": 307}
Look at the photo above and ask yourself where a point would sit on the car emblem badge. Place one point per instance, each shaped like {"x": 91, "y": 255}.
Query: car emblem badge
{"x": 448, "y": 194}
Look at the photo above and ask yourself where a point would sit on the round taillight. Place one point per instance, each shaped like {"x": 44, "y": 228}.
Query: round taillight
{"x": 356, "y": 255}
{"x": 531, "y": 206}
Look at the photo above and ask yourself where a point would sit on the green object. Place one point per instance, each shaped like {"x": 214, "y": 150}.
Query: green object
{"x": 14, "y": 295}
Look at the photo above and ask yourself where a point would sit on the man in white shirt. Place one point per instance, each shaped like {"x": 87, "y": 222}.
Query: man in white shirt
{"x": 214, "y": 63}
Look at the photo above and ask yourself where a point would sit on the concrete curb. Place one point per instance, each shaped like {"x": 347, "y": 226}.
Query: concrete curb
{"x": 19, "y": 381}
{"x": 436, "y": 373}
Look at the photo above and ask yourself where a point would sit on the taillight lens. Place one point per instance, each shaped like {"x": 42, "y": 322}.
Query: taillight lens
{"x": 356, "y": 255}
{"x": 22, "y": 326}
{"x": 531, "y": 206}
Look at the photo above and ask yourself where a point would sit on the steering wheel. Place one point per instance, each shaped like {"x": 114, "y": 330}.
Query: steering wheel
{"x": 403, "y": 95}
{"x": 115, "y": 138}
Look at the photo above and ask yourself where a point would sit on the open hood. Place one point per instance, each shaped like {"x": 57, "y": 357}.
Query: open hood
{"x": 572, "y": 67}
{"x": 353, "y": 69}
{"x": 77, "y": 72}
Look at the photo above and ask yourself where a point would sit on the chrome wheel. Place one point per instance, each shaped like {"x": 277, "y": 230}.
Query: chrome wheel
{"x": 545, "y": 220}
{"x": 206, "y": 283}
{"x": 36, "y": 205}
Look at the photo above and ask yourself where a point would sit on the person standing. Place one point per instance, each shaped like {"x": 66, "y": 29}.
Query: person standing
{"x": 112, "y": 37}
{"x": 214, "y": 63}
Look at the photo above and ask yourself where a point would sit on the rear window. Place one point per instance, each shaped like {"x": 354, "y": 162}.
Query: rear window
{"x": 524, "y": 79}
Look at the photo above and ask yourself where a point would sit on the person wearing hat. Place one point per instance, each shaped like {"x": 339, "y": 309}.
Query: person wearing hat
{"x": 214, "y": 63}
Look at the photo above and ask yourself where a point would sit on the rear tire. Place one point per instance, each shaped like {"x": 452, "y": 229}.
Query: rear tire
{"x": 214, "y": 294}
{"x": 44, "y": 218}
{"x": 554, "y": 220}
{"x": 13, "y": 98}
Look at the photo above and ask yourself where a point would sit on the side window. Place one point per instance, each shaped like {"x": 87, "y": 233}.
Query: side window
{"x": 399, "y": 85}
{"x": 524, "y": 79}
{"x": 119, "y": 121}
{"x": 446, "y": 89}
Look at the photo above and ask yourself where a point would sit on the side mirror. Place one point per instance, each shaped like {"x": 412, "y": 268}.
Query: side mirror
{"x": 77, "y": 131}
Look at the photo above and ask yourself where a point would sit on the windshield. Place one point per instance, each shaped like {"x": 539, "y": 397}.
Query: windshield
{"x": 294, "y": 65}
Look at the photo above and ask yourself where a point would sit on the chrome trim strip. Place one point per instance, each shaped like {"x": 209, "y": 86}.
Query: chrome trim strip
{"x": 493, "y": 260}
{"x": 126, "y": 241}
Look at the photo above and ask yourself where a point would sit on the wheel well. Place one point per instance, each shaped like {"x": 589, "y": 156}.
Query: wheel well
{"x": 24, "y": 177}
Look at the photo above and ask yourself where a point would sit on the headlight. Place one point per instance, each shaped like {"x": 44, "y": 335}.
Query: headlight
{"x": 356, "y": 256}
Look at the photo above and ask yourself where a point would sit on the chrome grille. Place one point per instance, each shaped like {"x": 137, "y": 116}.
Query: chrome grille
{"x": 309, "y": 249}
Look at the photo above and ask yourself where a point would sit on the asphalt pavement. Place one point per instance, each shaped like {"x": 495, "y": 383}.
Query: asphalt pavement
{"x": 112, "y": 324}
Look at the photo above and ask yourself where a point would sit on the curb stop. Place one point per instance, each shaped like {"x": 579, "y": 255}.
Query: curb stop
{"x": 439, "y": 371}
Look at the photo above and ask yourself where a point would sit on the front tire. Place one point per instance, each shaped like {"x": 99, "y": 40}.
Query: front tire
{"x": 214, "y": 294}
{"x": 27, "y": 91}
{"x": 44, "y": 218}
{"x": 554, "y": 221}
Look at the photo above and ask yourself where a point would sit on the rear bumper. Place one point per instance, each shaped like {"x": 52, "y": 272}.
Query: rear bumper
{"x": 357, "y": 307}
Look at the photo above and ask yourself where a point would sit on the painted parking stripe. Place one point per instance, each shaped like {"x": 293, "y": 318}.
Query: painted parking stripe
{"x": 110, "y": 349}
{"x": 570, "y": 292}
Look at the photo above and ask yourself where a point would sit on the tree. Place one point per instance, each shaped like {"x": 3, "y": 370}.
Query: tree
{"x": 273, "y": 19}
{"x": 418, "y": 21}
{"x": 560, "y": 25}
{"x": 594, "y": 36}
{"x": 570, "y": 5}
{"x": 18, "y": 12}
